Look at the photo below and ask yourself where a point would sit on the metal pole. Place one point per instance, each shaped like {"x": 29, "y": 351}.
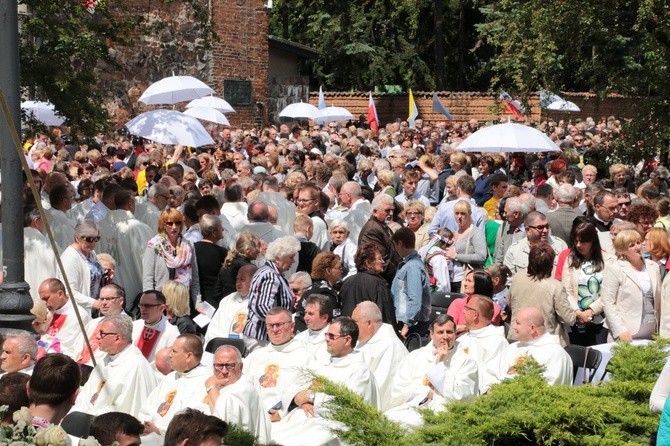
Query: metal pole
{"x": 15, "y": 302}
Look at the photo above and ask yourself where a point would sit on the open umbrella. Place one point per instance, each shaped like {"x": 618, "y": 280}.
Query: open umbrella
{"x": 169, "y": 127}
{"x": 174, "y": 89}
{"x": 212, "y": 102}
{"x": 44, "y": 112}
{"x": 333, "y": 113}
{"x": 300, "y": 110}
{"x": 508, "y": 137}
{"x": 563, "y": 105}
{"x": 207, "y": 114}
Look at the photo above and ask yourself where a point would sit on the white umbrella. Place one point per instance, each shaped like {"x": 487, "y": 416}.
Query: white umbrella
{"x": 212, "y": 102}
{"x": 563, "y": 105}
{"x": 508, "y": 137}
{"x": 207, "y": 114}
{"x": 169, "y": 127}
{"x": 45, "y": 112}
{"x": 333, "y": 113}
{"x": 300, "y": 110}
{"x": 174, "y": 89}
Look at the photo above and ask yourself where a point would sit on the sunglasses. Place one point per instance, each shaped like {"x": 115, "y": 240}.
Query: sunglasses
{"x": 91, "y": 239}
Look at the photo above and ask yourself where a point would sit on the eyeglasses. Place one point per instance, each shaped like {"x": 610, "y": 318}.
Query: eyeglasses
{"x": 103, "y": 334}
{"x": 225, "y": 365}
{"x": 625, "y": 203}
{"x": 471, "y": 309}
{"x": 540, "y": 227}
{"x": 412, "y": 214}
{"x": 277, "y": 325}
{"x": 332, "y": 336}
{"x": 149, "y": 305}
{"x": 91, "y": 239}
{"x": 343, "y": 193}
{"x": 172, "y": 223}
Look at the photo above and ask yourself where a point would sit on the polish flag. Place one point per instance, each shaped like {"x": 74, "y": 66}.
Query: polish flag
{"x": 373, "y": 119}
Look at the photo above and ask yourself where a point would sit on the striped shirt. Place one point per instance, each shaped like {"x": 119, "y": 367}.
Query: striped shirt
{"x": 269, "y": 288}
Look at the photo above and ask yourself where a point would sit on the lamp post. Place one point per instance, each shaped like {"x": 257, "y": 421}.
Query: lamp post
{"x": 15, "y": 301}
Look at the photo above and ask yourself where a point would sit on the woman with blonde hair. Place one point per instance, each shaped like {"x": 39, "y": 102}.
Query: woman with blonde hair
{"x": 469, "y": 248}
{"x": 414, "y": 217}
{"x": 631, "y": 290}
{"x": 247, "y": 249}
{"x": 178, "y": 309}
{"x": 169, "y": 256}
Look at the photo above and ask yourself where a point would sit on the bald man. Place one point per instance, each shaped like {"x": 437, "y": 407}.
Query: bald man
{"x": 535, "y": 342}
{"x": 381, "y": 348}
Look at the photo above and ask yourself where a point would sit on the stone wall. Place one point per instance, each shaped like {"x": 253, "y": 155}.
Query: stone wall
{"x": 178, "y": 47}
{"x": 285, "y": 90}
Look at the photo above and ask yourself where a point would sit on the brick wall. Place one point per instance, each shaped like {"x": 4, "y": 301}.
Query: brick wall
{"x": 464, "y": 106}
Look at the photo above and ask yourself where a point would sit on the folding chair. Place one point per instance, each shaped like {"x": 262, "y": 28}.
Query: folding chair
{"x": 587, "y": 358}
{"x": 218, "y": 342}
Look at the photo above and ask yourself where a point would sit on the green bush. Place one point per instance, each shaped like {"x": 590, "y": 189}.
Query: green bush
{"x": 525, "y": 410}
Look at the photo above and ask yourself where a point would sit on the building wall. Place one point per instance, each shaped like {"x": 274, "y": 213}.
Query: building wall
{"x": 464, "y": 106}
{"x": 240, "y": 54}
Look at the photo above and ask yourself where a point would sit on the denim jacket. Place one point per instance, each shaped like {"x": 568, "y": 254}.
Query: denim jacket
{"x": 410, "y": 290}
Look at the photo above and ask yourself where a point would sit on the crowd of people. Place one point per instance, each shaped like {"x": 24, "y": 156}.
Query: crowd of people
{"x": 209, "y": 281}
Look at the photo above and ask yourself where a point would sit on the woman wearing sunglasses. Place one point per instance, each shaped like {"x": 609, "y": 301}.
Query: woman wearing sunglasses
{"x": 169, "y": 256}
{"x": 84, "y": 272}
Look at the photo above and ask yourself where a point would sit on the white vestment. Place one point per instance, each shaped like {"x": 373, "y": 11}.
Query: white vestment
{"x": 236, "y": 213}
{"x": 230, "y": 317}
{"x": 547, "y": 351}
{"x": 149, "y": 214}
{"x": 79, "y": 211}
{"x": 315, "y": 343}
{"x": 382, "y": 353}
{"x": 176, "y": 392}
{"x": 298, "y": 429}
{"x": 39, "y": 261}
{"x": 320, "y": 235}
{"x": 167, "y": 336}
{"x": 239, "y": 403}
{"x": 62, "y": 227}
{"x": 120, "y": 383}
{"x": 285, "y": 209}
{"x": 356, "y": 218}
{"x": 485, "y": 346}
{"x": 125, "y": 238}
{"x": 69, "y": 333}
{"x": 454, "y": 379}
{"x": 274, "y": 367}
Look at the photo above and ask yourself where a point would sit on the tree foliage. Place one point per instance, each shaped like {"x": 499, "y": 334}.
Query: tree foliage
{"x": 526, "y": 411}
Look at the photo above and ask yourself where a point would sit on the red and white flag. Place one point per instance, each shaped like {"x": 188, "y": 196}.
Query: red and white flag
{"x": 373, "y": 119}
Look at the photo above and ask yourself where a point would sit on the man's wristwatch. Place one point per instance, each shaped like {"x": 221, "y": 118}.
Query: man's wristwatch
{"x": 311, "y": 395}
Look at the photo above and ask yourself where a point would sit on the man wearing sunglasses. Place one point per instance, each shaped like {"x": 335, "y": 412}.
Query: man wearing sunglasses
{"x": 537, "y": 231}
{"x": 304, "y": 425}
{"x": 232, "y": 396}
{"x": 124, "y": 379}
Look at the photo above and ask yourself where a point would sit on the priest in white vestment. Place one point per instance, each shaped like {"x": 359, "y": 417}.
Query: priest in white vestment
{"x": 233, "y": 397}
{"x": 153, "y": 331}
{"x": 62, "y": 226}
{"x": 382, "y": 349}
{"x": 231, "y": 316}
{"x": 181, "y": 389}
{"x": 124, "y": 379}
{"x": 39, "y": 259}
{"x": 19, "y": 352}
{"x": 120, "y": 236}
{"x": 535, "y": 342}
{"x": 318, "y": 315}
{"x": 277, "y": 365}
{"x": 306, "y": 425}
{"x": 150, "y": 212}
{"x": 111, "y": 302}
{"x": 432, "y": 376}
{"x": 64, "y": 324}
{"x": 483, "y": 341}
